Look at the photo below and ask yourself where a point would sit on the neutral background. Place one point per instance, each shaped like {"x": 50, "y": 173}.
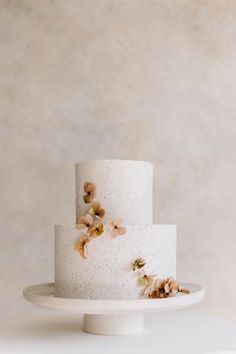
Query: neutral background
{"x": 150, "y": 80}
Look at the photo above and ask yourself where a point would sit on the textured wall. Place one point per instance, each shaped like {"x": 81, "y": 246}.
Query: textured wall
{"x": 152, "y": 80}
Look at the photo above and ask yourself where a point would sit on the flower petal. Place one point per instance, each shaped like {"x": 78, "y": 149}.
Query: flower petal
{"x": 101, "y": 213}
{"x": 110, "y": 225}
{"x": 92, "y": 232}
{"x": 90, "y": 188}
{"x": 142, "y": 281}
{"x": 147, "y": 291}
{"x": 117, "y": 221}
{"x": 185, "y": 291}
{"x": 121, "y": 230}
{"x": 81, "y": 220}
{"x": 86, "y": 184}
{"x": 114, "y": 233}
{"x": 99, "y": 229}
{"x": 94, "y": 207}
{"x": 88, "y": 198}
{"x": 80, "y": 245}
{"x": 158, "y": 283}
{"x": 167, "y": 288}
{"x": 150, "y": 279}
{"x": 87, "y": 220}
{"x": 155, "y": 294}
{"x": 174, "y": 285}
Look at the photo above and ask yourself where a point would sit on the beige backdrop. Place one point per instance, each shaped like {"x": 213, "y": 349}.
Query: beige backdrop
{"x": 128, "y": 79}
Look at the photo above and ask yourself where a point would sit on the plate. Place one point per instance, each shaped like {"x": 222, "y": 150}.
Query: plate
{"x": 111, "y": 317}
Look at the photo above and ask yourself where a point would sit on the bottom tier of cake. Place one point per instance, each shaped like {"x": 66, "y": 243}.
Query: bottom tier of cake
{"x": 107, "y": 271}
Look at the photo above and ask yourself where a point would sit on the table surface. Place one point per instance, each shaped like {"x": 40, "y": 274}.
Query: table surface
{"x": 185, "y": 331}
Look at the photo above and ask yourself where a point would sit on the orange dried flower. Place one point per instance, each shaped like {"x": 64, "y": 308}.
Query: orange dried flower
{"x": 97, "y": 210}
{"x": 166, "y": 288}
{"x": 81, "y": 245}
{"x": 89, "y": 189}
{"x": 115, "y": 227}
{"x": 160, "y": 289}
{"x": 96, "y": 230}
{"x": 84, "y": 221}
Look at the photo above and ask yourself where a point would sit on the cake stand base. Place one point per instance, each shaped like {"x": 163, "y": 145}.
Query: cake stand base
{"x": 111, "y": 325}
{"x": 111, "y": 317}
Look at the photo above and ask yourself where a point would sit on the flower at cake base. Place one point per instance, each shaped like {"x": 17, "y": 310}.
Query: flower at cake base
{"x": 160, "y": 290}
{"x": 97, "y": 210}
{"x": 81, "y": 245}
{"x": 115, "y": 227}
{"x": 96, "y": 230}
{"x": 84, "y": 222}
{"x": 176, "y": 287}
{"x": 89, "y": 189}
{"x": 147, "y": 281}
{"x": 163, "y": 288}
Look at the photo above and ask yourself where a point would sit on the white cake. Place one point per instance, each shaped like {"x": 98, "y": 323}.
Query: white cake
{"x": 99, "y": 265}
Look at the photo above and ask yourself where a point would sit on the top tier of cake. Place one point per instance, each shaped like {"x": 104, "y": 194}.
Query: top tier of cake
{"x": 123, "y": 188}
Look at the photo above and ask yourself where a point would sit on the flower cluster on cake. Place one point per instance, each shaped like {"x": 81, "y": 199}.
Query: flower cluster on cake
{"x": 114, "y": 251}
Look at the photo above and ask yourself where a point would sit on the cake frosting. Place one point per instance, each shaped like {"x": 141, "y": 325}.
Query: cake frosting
{"x": 107, "y": 271}
{"x": 124, "y": 188}
{"x": 113, "y": 229}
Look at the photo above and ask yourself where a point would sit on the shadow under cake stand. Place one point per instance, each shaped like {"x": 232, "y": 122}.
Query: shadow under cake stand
{"x": 111, "y": 317}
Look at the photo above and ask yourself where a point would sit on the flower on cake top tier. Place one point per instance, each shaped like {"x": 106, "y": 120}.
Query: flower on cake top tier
{"x": 97, "y": 210}
{"x": 85, "y": 221}
{"x": 92, "y": 221}
{"x": 89, "y": 189}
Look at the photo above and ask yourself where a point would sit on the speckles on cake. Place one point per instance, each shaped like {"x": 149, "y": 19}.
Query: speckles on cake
{"x": 127, "y": 183}
{"x": 105, "y": 274}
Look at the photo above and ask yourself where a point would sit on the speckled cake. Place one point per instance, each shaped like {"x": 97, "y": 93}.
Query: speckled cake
{"x": 99, "y": 256}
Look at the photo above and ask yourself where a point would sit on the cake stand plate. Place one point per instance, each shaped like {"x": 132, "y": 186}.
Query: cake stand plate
{"x": 111, "y": 317}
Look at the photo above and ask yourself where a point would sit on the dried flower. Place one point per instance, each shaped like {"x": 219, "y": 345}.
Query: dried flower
{"x": 160, "y": 289}
{"x": 147, "y": 281}
{"x": 171, "y": 285}
{"x": 138, "y": 264}
{"x": 166, "y": 288}
{"x": 115, "y": 227}
{"x": 175, "y": 286}
{"x": 97, "y": 210}
{"x": 89, "y": 189}
{"x": 184, "y": 291}
{"x": 84, "y": 221}
{"x": 81, "y": 245}
{"x": 96, "y": 230}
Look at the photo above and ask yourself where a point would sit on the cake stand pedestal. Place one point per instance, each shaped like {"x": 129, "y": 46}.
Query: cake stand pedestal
{"x": 111, "y": 317}
{"x": 117, "y": 324}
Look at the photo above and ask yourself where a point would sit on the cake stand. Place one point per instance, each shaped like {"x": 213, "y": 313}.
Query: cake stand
{"x": 111, "y": 317}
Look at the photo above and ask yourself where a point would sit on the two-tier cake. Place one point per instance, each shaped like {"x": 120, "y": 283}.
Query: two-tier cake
{"x": 114, "y": 251}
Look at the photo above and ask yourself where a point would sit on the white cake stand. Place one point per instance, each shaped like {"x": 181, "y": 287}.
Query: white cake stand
{"x": 111, "y": 317}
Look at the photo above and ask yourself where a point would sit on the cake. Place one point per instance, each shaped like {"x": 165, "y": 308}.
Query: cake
{"x": 114, "y": 251}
